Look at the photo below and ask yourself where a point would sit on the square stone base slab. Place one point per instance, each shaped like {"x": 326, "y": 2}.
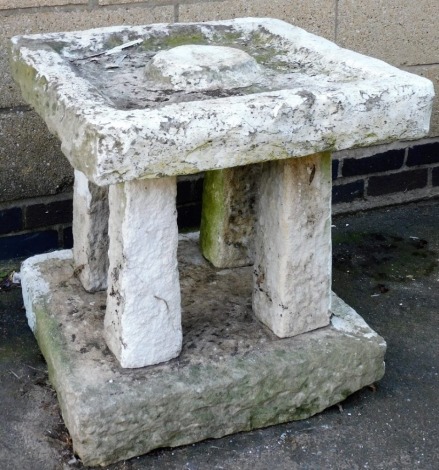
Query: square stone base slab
{"x": 232, "y": 375}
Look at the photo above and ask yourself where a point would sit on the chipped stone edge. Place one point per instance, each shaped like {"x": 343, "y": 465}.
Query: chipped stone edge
{"x": 35, "y": 289}
{"x": 349, "y": 321}
{"x": 81, "y": 107}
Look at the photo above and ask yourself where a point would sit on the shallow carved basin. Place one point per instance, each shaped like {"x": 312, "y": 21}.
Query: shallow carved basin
{"x": 171, "y": 99}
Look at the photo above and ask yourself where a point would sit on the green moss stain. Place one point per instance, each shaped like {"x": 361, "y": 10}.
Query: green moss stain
{"x": 50, "y": 340}
{"x": 228, "y": 38}
{"x": 259, "y": 44}
{"x": 185, "y": 38}
{"x": 371, "y": 136}
{"x": 25, "y": 76}
{"x": 4, "y": 273}
{"x": 326, "y": 165}
{"x": 174, "y": 39}
{"x": 277, "y": 152}
{"x": 345, "y": 393}
{"x": 307, "y": 409}
{"x": 330, "y": 143}
{"x": 213, "y": 212}
{"x": 266, "y": 50}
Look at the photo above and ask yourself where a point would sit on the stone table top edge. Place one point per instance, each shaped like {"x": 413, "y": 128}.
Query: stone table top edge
{"x": 109, "y": 157}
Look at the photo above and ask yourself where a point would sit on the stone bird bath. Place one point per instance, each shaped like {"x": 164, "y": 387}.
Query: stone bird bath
{"x": 258, "y": 105}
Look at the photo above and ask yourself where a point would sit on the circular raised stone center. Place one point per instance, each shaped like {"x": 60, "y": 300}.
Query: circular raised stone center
{"x": 198, "y": 68}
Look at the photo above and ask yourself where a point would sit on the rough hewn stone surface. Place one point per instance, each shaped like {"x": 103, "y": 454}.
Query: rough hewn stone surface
{"x": 312, "y": 97}
{"x": 292, "y": 269}
{"x": 232, "y": 375}
{"x": 194, "y": 67}
{"x": 90, "y": 233}
{"x": 228, "y": 215}
{"x": 143, "y": 315}
{"x": 432, "y": 73}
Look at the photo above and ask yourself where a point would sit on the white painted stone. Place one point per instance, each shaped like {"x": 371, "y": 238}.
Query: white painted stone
{"x": 292, "y": 270}
{"x": 143, "y": 319}
{"x": 314, "y": 96}
{"x": 228, "y": 216}
{"x": 90, "y": 233}
{"x": 198, "y": 67}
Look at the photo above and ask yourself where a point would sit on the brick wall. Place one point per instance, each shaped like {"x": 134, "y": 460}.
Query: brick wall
{"x": 34, "y": 226}
{"x": 385, "y": 175}
{"x": 36, "y": 181}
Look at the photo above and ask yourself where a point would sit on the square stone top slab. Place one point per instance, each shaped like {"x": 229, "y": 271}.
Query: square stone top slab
{"x": 170, "y": 99}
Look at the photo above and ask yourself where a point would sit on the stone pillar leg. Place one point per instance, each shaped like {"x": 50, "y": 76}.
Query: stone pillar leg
{"x": 142, "y": 324}
{"x": 90, "y": 233}
{"x": 292, "y": 270}
{"x": 228, "y": 216}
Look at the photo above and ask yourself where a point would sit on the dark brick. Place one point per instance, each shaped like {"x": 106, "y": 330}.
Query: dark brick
{"x": 10, "y": 220}
{"x": 44, "y": 215}
{"x": 347, "y": 192}
{"x": 435, "y": 178}
{"x": 189, "y": 216}
{"x": 423, "y": 154}
{"x": 397, "y": 182}
{"x": 335, "y": 165}
{"x": 67, "y": 237}
{"x": 391, "y": 160}
{"x": 28, "y": 244}
{"x": 189, "y": 191}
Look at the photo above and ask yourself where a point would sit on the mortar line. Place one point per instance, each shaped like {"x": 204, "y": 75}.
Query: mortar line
{"x": 430, "y": 178}
{"x": 155, "y": 3}
{"x": 32, "y": 201}
{"x": 352, "y": 179}
{"x": 340, "y": 167}
{"x": 84, "y": 7}
{"x": 194, "y": 2}
{"x": 60, "y": 232}
{"x": 44, "y": 9}
{"x": 366, "y": 187}
{"x": 43, "y": 228}
{"x": 406, "y": 153}
{"x": 176, "y": 13}
{"x": 432, "y": 64}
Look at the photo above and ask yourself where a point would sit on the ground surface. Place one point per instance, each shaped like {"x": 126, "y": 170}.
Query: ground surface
{"x": 390, "y": 278}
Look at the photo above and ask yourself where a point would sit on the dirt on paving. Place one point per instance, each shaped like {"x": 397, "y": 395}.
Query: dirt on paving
{"x": 385, "y": 266}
